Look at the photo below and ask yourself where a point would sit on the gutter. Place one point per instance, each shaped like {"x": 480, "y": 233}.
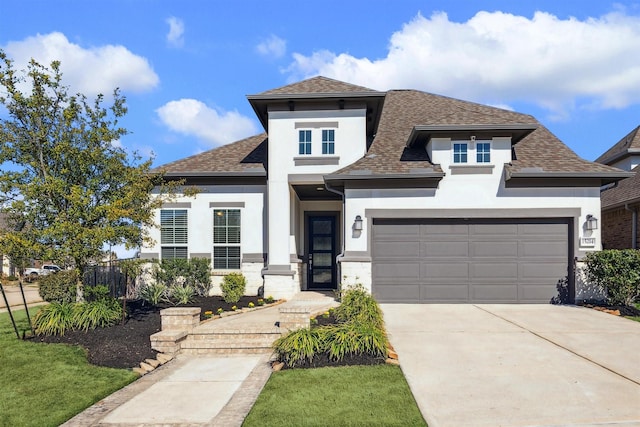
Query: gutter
{"x": 634, "y": 226}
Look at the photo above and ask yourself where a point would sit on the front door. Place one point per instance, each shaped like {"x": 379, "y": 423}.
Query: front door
{"x": 321, "y": 258}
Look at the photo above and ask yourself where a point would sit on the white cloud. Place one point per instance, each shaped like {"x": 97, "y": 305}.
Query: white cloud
{"x": 215, "y": 126}
{"x": 175, "y": 36}
{"x": 273, "y": 46}
{"x": 500, "y": 58}
{"x": 87, "y": 70}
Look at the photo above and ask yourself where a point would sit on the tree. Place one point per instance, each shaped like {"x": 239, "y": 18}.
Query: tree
{"x": 64, "y": 176}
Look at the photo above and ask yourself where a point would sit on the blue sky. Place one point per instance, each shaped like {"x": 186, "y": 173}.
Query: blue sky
{"x": 186, "y": 66}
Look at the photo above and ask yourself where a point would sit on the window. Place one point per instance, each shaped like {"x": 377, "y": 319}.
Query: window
{"x": 226, "y": 239}
{"x": 328, "y": 141}
{"x": 304, "y": 142}
{"x": 459, "y": 153}
{"x": 173, "y": 233}
{"x": 483, "y": 152}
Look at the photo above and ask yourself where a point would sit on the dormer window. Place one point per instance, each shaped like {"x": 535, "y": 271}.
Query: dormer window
{"x": 328, "y": 141}
{"x": 304, "y": 142}
{"x": 460, "y": 152}
{"x": 483, "y": 152}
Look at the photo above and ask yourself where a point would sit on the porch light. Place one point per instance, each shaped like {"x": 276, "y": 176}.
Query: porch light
{"x": 357, "y": 224}
{"x": 592, "y": 222}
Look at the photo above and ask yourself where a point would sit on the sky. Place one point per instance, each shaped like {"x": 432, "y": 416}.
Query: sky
{"x": 186, "y": 66}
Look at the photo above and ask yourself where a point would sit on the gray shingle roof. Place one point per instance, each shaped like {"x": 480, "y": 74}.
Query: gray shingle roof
{"x": 630, "y": 142}
{"x": 626, "y": 191}
{"x": 388, "y": 154}
{"x": 317, "y": 85}
{"x": 248, "y": 155}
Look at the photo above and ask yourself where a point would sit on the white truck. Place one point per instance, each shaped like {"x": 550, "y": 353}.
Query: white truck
{"x": 33, "y": 273}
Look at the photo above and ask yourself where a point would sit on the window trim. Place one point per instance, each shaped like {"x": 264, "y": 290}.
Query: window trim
{"x": 459, "y": 154}
{"x": 304, "y": 145}
{"x": 173, "y": 244}
{"x": 328, "y": 144}
{"x": 480, "y": 156}
{"x": 226, "y": 244}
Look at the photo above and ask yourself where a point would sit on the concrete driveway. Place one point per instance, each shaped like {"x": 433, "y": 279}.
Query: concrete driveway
{"x": 518, "y": 365}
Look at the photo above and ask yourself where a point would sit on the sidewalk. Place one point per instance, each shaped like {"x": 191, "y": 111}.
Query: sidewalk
{"x": 207, "y": 390}
{"x": 14, "y": 297}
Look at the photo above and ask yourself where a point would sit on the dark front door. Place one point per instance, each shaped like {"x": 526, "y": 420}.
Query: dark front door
{"x": 322, "y": 252}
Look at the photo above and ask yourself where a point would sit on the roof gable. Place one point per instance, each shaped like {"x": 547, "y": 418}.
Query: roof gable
{"x": 626, "y": 191}
{"x": 317, "y": 85}
{"x": 627, "y": 145}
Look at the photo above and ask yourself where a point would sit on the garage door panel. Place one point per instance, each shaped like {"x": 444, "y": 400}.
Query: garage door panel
{"x": 444, "y": 249}
{"x": 484, "y": 260}
{"x": 451, "y": 292}
{"x": 494, "y": 270}
{"x": 493, "y": 229}
{"x": 542, "y": 249}
{"x": 434, "y": 271}
{"x": 449, "y": 230}
{"x": 398, "y": 250}
{"x": 396, "y": 271}
{"x": 508, "y": 249}
{"x": 491, "y": 292}
{"x": 397, "y": 293}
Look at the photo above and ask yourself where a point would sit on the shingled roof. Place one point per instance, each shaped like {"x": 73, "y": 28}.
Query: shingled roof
{"x": 245, "y": 157}
{"x": 539, "y": 153}
{"x": 317, "y": 85}
{"x": 628, "y": 145}
{"x": 626, "y": 191}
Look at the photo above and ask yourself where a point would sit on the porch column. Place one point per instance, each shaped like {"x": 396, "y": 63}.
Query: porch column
{"x": 280, "y": 280}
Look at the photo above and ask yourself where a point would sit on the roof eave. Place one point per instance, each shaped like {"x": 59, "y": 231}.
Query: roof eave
{"x": 517, "y": 131}
{"x": 604, "y": 177}
{"x": 619, "y": 156}
{"x": 256, "y": 174}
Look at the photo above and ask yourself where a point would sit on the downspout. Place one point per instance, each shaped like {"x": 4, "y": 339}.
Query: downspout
{"x": 344, "y": 226}
{"x": 634, "y": 226}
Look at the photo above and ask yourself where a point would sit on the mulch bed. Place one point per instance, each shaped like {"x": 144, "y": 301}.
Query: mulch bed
{"x": 127, "y": 344}
{"x": 619, "y": 310}
{"x": 322, "y": 359}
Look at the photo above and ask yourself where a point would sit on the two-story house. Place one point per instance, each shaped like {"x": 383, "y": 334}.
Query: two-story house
{"x": 419, "y": 197}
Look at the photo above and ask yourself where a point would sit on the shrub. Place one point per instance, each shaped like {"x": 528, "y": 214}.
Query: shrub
{"x": 59, "y": 287}
{"x": 355, "y": 338}
{"x": 195, "y": 272}
{"x": 54, "y": 319}
{"x": 153, "y": 293}
{"x": 617, "y": 272}
{"x": 182, "y": 294}
{"x": 233, "y": 286}
{"x": 99, "y": 313}
{"x": 357, "y": 304}
{"x": 299, "y": 345}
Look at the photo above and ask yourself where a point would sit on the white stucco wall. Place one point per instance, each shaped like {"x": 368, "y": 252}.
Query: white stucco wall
{"x": 284, "y": 222}
{"x": 200, "y": 218}
{"x": 628, "y": 163}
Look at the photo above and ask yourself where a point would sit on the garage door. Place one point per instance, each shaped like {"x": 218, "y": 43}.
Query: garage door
{"x": 458, "y": 261}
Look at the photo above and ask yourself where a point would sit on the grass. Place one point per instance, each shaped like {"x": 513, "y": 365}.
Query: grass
{"x": 344, "y": 396}
{"x": 46, "y": 384}
{"x": 636, "y": 318}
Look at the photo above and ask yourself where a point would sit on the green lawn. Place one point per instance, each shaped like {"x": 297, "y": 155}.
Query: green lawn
{"x": 46, "y": 384}
{"x": 636, "y": 318}
{"x": 344, "y": 396}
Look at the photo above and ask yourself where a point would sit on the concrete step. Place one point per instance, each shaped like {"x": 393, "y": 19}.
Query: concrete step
{"x": 217, "y": 341}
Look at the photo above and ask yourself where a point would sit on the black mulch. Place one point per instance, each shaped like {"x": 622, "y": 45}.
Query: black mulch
{"x": 127, "y": 344}
{"x": 322, "y": 359}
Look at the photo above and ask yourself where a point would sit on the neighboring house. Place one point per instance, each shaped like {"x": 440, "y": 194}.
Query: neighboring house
{"x": 621, "y": 202}
{"x": 419, "y": 197}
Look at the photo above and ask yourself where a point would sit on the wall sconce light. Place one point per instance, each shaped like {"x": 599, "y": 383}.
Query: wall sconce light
{"x": 357, "y": 224}
{"x": 592, "y": 222}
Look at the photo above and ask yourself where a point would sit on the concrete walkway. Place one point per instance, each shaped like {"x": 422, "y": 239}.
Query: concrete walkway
{"x": 14, "y": 297}
{"x": 215, "y": 390}
{"x": 518, "y": 365}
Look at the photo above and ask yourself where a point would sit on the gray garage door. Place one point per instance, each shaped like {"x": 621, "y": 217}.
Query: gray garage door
{"x": 483, "y": 261}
